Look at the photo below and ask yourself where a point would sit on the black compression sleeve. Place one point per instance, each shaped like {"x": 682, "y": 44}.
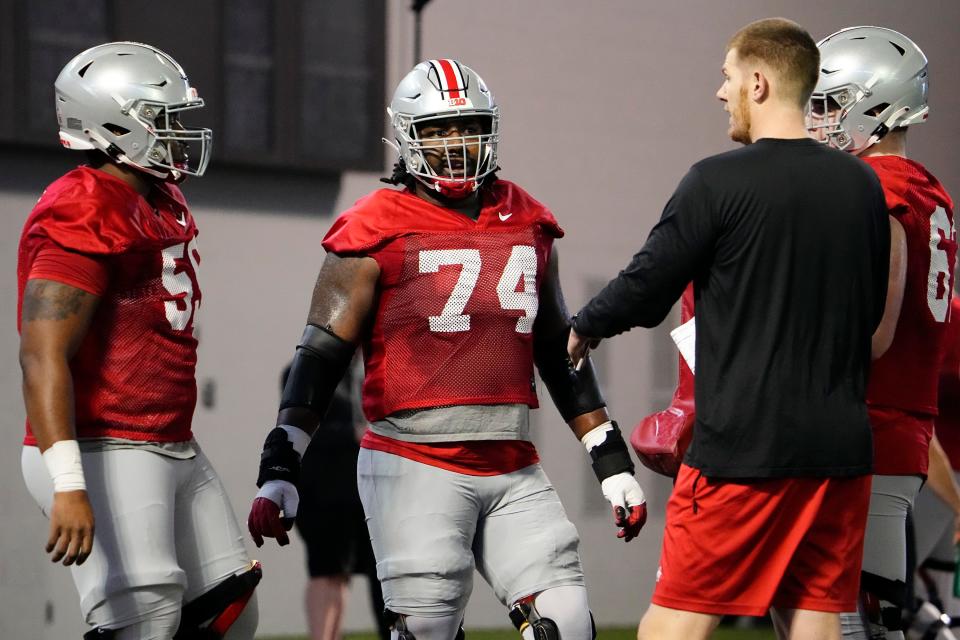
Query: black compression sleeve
{"x": 318, "y": 365}
{"x": 320, "y": 362}
{"x": 574, "y": 392}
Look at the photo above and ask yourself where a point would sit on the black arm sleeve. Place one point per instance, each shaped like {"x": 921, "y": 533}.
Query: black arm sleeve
{"x": 645, "y": 291}
{"x": 574, "y": 392}
{"x": 320, "y": 362}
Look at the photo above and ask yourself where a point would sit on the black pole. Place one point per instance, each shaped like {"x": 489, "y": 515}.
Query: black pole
{"x": 416, "y": 37}
{"x": 417, "y": 7}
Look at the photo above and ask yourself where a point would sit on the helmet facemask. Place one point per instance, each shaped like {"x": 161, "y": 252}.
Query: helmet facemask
{"x": 435, "y": 113}
{"x": 452, "y": 165}
{"x": 168, "y": 155}
{"x": 827, "y": 112}
{"x": 872, "y": 80}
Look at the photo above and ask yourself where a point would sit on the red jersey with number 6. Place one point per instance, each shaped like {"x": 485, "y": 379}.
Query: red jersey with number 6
{"x": 458, "y": 297}
{"x": 948, "y": 422}
{"x": 134, "y": 372}
{"x": 906, "y": 377}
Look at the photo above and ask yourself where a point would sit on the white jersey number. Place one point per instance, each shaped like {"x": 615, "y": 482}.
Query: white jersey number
{"x": 179, "y": 283}
{"x": 938, "y": 279}
{"x": 452, "y": 317}
{"x": 521, "y": 267}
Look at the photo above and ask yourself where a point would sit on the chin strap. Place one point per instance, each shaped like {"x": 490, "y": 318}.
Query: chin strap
{"x": 117, "y": 155}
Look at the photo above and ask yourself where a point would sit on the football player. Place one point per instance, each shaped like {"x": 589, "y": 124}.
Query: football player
{"x": 872, "y": 88}
{"x": 335, "y": 553}
{"x": 451, "y": 285}
{"x": 107, "y": 300}
{"x": 935, "y": 513}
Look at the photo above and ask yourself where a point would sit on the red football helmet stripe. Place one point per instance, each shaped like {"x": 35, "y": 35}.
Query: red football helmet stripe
{"x": 450, "y": 76}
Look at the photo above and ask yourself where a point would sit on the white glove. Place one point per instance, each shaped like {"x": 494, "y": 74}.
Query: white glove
{"x": 265, "y": 519}
{"x": 623, "y": 490}
{"x": 283, "y": 494}
{"x": 629, "y": 504}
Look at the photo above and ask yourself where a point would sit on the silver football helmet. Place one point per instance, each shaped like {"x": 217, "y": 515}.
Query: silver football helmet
{"x": 440, "y": 89}
{"x": 872, "y": 80}
{"x": 124, "y": 98}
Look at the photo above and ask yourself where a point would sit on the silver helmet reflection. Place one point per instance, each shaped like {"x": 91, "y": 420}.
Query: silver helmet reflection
{"x": 872, "y": 80}
{"x": 125, "y": 99}
{"x": 438, "y": 90}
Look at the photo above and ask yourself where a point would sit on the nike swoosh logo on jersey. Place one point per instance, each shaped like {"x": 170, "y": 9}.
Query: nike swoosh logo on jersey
{"x": 504, "y": 216}
{"x": 182, "y": 219}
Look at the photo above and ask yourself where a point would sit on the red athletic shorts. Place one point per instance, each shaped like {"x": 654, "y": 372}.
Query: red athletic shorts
{"x": 740, "y": 547}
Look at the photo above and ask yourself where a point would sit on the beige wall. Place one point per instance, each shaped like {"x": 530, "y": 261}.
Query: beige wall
{"x": 605, "y": 105}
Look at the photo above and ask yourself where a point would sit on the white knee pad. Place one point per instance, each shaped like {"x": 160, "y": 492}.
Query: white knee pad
{"x": 159, "y": 627}
{"x": 936, "y": 578}
{"x": 147, "y": 612}
{"x": 559, "y": 613}
{"x": 929, "y": 624}
{"x": 422, "y": 628}
{"x": 164, "y": 625}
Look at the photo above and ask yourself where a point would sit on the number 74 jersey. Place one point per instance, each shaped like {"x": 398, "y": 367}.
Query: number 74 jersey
{"x": 906, "y": 376}
{"x": 458, "y": 298}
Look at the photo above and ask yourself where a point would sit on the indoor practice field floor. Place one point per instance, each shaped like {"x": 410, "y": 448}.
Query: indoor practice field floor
{"x": 724, "y": 633}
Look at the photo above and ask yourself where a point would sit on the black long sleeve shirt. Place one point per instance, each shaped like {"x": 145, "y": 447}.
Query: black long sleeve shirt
{"x": 787, "y": 243}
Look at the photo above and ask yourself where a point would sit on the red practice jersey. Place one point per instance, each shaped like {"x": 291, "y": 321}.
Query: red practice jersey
{"x": 134, "y": 373}
{"x": 948, "y": 422}
{"x": 458, "y": 297}
{"x": 906, "y": 377}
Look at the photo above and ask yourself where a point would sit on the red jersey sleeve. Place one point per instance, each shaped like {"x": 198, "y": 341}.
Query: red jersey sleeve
{"x": 93, "y": 212}
{"x": 53, "y": 262}
{"x": 364, "y": 227}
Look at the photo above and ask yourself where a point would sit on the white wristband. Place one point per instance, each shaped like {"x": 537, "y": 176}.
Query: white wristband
{"x": 63, "y": 465}
{"x": 297, "y": 437}
{"x": 597, "y": 435}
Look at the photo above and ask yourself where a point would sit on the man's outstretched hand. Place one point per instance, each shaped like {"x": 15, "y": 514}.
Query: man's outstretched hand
{"x": 578, "y": 348}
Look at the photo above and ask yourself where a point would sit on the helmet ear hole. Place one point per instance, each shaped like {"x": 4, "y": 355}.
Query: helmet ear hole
{"x": 877, "y": 110}
{"x": 116, "y": 129}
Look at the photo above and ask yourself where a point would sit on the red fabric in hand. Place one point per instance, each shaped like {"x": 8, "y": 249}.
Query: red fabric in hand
{"x": 661, "y": 439}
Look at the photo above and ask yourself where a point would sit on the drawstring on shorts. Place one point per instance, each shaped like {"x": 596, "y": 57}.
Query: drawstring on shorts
{"x": 693, "y": 496}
